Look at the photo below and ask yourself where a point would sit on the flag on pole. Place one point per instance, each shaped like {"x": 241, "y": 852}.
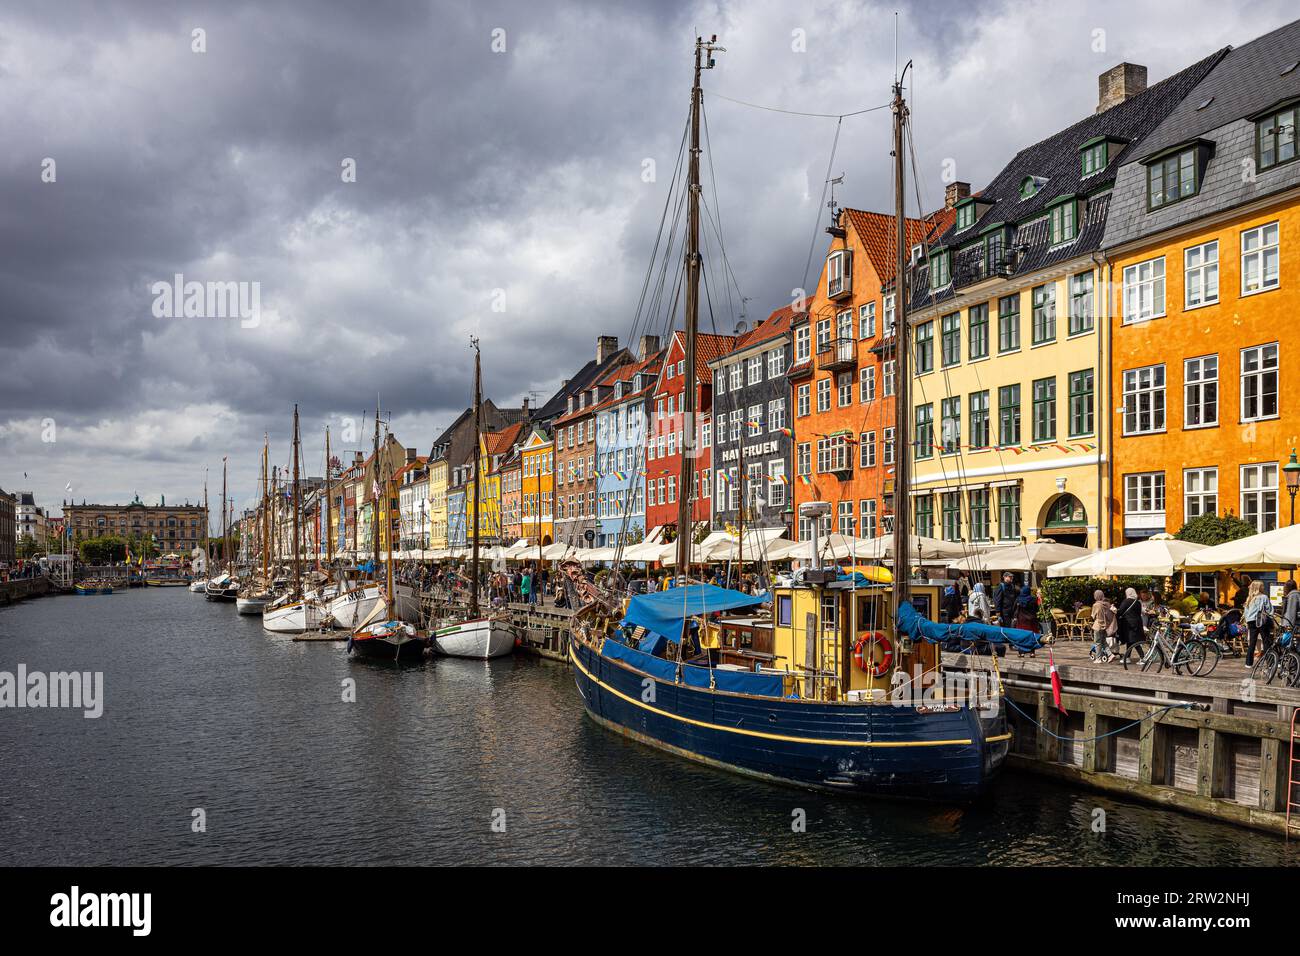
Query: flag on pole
{"x": 1056, "y": 682}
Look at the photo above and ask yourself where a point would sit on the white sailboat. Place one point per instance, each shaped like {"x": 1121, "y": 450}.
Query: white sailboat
{"x": 478, "y": 636}
{"x": 295, "y": 613}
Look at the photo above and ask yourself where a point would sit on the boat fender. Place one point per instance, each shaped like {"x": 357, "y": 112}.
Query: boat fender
{"x": 863, "y": 657}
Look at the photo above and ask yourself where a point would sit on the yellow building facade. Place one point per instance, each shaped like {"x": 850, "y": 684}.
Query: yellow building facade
{"x": 438, "y": 503}
{"x": 537, "y": 488}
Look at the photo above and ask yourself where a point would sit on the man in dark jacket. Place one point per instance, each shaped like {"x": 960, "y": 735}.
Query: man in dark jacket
{"x": 1004, "y": 601}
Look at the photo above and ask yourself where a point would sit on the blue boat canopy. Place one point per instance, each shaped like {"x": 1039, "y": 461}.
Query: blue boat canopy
{"x": 911, "y": 623}
{"x": 662, "y": 612}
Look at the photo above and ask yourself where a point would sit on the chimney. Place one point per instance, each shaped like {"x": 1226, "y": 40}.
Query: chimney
{"x": 649, "y": 345}
{"x": 606, "y": 345}
{"x": 954, "y": 193}
{"x": 358, "y": 457}
{"x": 525, "y": 418}
{"x": 410, "y": 455}
{"x": 1120, "y": 83}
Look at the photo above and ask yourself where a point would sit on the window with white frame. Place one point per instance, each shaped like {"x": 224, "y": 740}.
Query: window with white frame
{"x": 1144, "y": 290}
{"x": 823, "y": 334}
{"x": 1200, "y": 492}
{"x": 755, "y": 421}
{"x": 803, "y": 405}
{"x": 802, "y": 344}
{"x": 824, "y": 395}
{"x": 1201, "y": 391}
{"x": 775, "y": 363}
{"x": 776, "y": 481}
{"x": 847, "y": 524}
{"x": 706, "y": 434}
{"x": 1259, "y": 370}
{"x": 867, "y": 450}
{"x": 735, "y": 424}
{"x": 1259, "y": 259}
{"x": 888, "y": 375}
{"x": 754, "y": 370}
{"x": 887, "y": 447}
{"x": 867, "y": 321}
{"x": 867, "y": 512}
{"x": 844, "y": 388}
{"x": 1201, "y": 275}
{"x": 867, "y": 384}
{"x": 803, "y": 459}
{"x": 832, "y": 454}
{"x": 887, "y": 328}
{"x": 1144, "y": 400}
{"x": 1259, "y": 495}
{"x": 776, "y": 414}
{"x": 1144, "y": 495}
{"x": 736, "y": 373}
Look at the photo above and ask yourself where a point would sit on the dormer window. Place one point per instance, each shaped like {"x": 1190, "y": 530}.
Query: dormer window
{"x": 1064, "y": 220}
{"x": 940, "y": 269}
{"x": 965, "y": 216}
{"x": 1094, "y": 158}
{"x": 1175, "y": 175}
{"x": 839, "y": 273}
{"x": 1275, "y": 137}
{"x": 918, "y": 251}
{"x": 1030, "y": 185}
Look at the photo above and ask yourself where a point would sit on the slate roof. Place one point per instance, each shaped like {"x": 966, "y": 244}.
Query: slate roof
{"x": 1056, "y": 160}
{"x": 875, "y": 231}
{"x": 584, "y": 378}
{"x": 1245, "y": 82}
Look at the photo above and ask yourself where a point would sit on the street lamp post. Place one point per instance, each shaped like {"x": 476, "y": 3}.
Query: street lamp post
{"x": 1292, "y": 471}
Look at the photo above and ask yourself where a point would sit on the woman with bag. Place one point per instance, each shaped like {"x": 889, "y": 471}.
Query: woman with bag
{"x": 1105, "y": 625}
{"x": 1027, "y": 610}
{"x": 1129, "y": 614}
{"x": 1259, "y": 620}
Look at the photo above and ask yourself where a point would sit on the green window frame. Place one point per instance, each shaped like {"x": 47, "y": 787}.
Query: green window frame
{"x": 1044, "y": 313}
{"x": 1064, "y": 221}
{"x": 1044, "y": 396}
{"x": 977, "y": 335}
{"x": 924, "y": 515}
{"x": 1275, "y": 138}
{"x": 940, "y": 270}
{"x": 1009, "y": 512}
{"x": 1082, "y": 384}
{"x": 950, "y": 504}
{"x": 1081, "y": 303}
{"x": 950, "y": 424}
{"x": 978, "y": 503}
{"x": 965, "y": 216}
{"x": 1028, "y": 187}
{"x": 979, "y": 419}
{"x": 1172, "y": 178}
{"x": 924, "y": 432}
{"x": 925, "y": 347}
{"x": 1008, "y": 416}
{"x": 1093, "y": 158}
{"x": 1009, "y": 323}
{"x": 950, "y": 342}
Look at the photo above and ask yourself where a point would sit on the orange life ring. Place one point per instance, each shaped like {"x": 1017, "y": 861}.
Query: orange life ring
{"x": 886, "y": 660}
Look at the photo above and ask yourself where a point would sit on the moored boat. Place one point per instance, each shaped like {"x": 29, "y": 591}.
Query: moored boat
{"x": 482, "y": 638}
{"x": 294, "y": 616}
{"x": 387, "y": 640}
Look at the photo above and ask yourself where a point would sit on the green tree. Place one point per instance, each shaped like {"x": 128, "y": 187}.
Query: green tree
{"x": 27, "y": 547}
{"x": 1215, "y": 529}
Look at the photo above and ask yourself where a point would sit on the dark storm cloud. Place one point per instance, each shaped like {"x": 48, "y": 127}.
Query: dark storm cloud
{"x": 476, "y": 171}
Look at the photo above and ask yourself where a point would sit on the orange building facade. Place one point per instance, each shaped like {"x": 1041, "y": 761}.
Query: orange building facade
{"x": 1205, "y": 281}
{"x": 842, "y": 379}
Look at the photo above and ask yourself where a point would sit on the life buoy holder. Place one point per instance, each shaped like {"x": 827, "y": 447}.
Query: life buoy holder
{"x": 868, "y": 664}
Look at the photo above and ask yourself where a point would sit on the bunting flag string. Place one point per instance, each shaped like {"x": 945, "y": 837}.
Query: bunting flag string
{"x": 1018, "y": 449}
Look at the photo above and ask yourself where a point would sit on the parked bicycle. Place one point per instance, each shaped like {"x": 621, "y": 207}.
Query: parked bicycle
{"x": 1281, "y": 658}
{"x": 1168, "y": 645}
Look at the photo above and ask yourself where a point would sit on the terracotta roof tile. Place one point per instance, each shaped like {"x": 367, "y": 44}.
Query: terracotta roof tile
{"x": 876, "y": 233}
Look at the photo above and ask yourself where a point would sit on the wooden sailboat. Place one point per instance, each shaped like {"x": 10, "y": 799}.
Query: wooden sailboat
{"x": 295, "y": 613}
{"x": 478, "y": 635}
{"x": 200, "y": 583}
{"x": 255, "y": 595}
{"x": 223, "y": 586}
{"x": 382, "y": 633}
{"x": 846, "y": 711}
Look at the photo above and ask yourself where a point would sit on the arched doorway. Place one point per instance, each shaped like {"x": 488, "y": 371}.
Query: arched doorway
{"x": 1066, "y": 521}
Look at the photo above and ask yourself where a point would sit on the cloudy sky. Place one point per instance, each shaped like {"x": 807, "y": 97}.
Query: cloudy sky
{"x": 486, "y": 179}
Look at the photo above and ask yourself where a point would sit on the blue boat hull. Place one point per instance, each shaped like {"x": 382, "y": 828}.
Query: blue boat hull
{"x": 947, "y": 756}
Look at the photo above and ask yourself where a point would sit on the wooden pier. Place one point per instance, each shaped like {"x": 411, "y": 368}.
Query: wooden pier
{"x": 1227, "y": 756}
{"x": 21, "y": 588}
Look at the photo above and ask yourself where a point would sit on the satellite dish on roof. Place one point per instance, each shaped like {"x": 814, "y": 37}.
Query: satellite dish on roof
{"x": 740, "y": 327}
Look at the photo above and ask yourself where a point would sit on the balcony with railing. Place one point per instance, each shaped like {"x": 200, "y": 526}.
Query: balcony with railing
{"x": 837, "y": 354}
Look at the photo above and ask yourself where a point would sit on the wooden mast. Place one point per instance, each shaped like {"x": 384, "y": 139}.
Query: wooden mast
{"x": 329, "y": 502}
{"x": 225, "y": 539}
{"x": 297, "y": 547}
{"x": 374, "y": 499}
{"x": 266, "y": 518}
{"x": 703, "y": 61}
{"x": 478, "y": 428}
{"x": 207, "y": 530}
{"x": 903, "y": 378}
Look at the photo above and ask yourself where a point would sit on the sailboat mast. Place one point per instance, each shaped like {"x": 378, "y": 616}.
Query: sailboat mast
{"x": 225, "y": 534}
{"x": 478, "y": 429}
{"x": 329, "y": 502}
{"x": 684, "y": 503}
{"x": 902, "y": 376}
{"x": 297, "y": 548}
{"x": 374, "y": 496}
{"x": 265, "y": 542}
{"x": 207, "y": 528}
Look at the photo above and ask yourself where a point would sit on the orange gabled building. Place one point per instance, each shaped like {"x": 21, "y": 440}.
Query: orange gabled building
{"x": 1203, "y": 244}
{"x": 842, "y": 378}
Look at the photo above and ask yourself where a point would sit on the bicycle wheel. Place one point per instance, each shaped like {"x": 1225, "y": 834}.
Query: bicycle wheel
{"x": 1289, "y": 668}
{"x": 1155, "y": 655}
{"x": 1265, "y": 668}
{"x": 1134, "y": 654}
{"x": 1191, "y": 656}
{"x": 1210, "y": 660}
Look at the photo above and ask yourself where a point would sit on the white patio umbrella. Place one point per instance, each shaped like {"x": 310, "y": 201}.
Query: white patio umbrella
{"x": 1160, "y": 555}
{"x": 596, "y": 554}
{"x": 559, "y": 551}
{"x": 1034, "y": 556}
{"x": 1270, "y": 550}
{"x": 647, "y": 551}
{"x": 923, "y": 550}
{"x": 757, "y": 545}
{"x": 836, "y": 547}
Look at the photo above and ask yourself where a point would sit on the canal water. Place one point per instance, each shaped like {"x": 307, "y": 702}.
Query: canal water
{"x": 205, "y": 711}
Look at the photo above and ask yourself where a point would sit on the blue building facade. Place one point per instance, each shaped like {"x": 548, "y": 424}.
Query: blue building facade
{"x": 621, "y": 423}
